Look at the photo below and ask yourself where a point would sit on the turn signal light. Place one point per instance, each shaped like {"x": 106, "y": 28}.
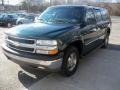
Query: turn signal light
{"x": 53, "y": 52}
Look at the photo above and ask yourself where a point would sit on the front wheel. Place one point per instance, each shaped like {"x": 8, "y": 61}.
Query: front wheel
{"x": 70, "y": 61}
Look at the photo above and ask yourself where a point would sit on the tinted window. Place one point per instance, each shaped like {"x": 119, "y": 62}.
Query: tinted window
{"x": 10, "y": 16}
{"x": 21, "y": 15}
{"x": 90, "y": 15}
{"x": 104, "y": 14}
{"x": 30, "y": 17}
{"x": 62, "y": 15}
{"x": 2, "y": 15}
{"x": 98, "y": 15}
{"x": 6, "y": 16}
{"x": 14, "y": 16}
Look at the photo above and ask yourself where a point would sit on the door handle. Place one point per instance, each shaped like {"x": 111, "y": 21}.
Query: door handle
{"x": 94, "y": 29}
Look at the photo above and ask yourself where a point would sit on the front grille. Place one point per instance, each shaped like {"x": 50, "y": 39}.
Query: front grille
{"x": 20, "y": 44}
{"x": 21, "y": 48}
{"x": 26, "y": 41}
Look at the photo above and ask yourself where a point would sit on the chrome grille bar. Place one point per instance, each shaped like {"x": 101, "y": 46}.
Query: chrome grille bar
{"x": 21, "y": 44}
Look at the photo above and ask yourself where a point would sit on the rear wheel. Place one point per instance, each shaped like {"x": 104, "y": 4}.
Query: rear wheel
{"x": 20, "y": 23}
{"x": 106, "y": 41}
{"x": 70, "y": 61}
{"x": 9, "y": 25}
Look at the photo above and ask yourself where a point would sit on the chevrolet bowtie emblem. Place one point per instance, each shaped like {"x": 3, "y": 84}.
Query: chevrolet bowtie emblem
{"x": 16, "y": 44}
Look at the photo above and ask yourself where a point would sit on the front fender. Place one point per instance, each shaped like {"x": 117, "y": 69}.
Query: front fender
{"x": 70, "y": 42}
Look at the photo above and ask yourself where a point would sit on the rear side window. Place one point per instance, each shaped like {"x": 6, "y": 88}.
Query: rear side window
{"x": 10, "y": 16}
{"x": 98, "y": 15}
{"x": 105, "y": 14}
{"x": 90, "y": 15}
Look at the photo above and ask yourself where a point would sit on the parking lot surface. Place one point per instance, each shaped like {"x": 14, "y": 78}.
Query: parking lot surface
{"x": 12, "y": 76}
{"x": 100, "y": 70}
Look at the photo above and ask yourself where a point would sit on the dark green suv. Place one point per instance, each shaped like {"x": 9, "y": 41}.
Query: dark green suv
{"x": 61, "y": 35}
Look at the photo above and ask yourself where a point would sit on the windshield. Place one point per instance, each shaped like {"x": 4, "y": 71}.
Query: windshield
{"x": 12, "y": 16}
{"x": 62, "y": 15}
{"x": 2, "y": 15}
{"x": 21, "y": 15}
{"x": 30, "y": 17}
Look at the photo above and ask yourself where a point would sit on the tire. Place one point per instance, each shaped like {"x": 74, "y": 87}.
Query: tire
{"x": 9, "y": 25}
{"x": 20, "y": 23}
{"x": 71, "y": 56}
{"x": 106, "y": 41}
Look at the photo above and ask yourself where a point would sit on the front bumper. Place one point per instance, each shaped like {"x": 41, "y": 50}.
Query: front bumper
{"x": 49, "y": 63}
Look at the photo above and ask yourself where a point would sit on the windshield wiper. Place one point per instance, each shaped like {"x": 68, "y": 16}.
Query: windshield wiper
{"x": 41, "y": 20}
{"x": 60, "y": 21}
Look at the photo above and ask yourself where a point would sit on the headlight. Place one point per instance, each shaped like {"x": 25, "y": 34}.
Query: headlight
{"x": 47, "y": 47}
{"x": 5, "y": 37}
{"x": 46, "y": 42}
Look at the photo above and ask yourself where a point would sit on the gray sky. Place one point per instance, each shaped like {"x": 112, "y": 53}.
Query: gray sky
{"x": 14, "y": 2}
{"x": 109, "y": 0}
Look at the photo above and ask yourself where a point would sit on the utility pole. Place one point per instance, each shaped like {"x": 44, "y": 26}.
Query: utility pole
{"x": 8, "y": 5}
{"x": 50, "y": 2}
{"x": 66, "y": 1}
{"x": 99, "y": 2}
{"x": 8, "y": 2}
{"x": 2, "y": 2}
{"x": 28, "y": 5}
{"x": 3, "y": 5}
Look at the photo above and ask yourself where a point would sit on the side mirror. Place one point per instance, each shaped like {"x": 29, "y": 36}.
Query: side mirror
{"x": 91, "y": 21}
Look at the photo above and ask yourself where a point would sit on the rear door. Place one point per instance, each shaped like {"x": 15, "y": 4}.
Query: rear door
{"x": 89, "y": 32}
{"x": 106, "y": 18}
{"x": 100, "y": 25}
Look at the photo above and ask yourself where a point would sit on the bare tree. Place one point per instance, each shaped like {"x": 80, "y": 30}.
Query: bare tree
{"x": 2, "y": 1}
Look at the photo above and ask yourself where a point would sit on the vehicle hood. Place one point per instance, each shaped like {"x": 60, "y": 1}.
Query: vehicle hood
{"x": 20, "y": 18}
{"x": 40, "y": 30}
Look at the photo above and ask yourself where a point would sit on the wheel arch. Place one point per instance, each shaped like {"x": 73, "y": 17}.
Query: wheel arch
{"x": 108, "y": 31}
{"x": 78, "y": 44}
